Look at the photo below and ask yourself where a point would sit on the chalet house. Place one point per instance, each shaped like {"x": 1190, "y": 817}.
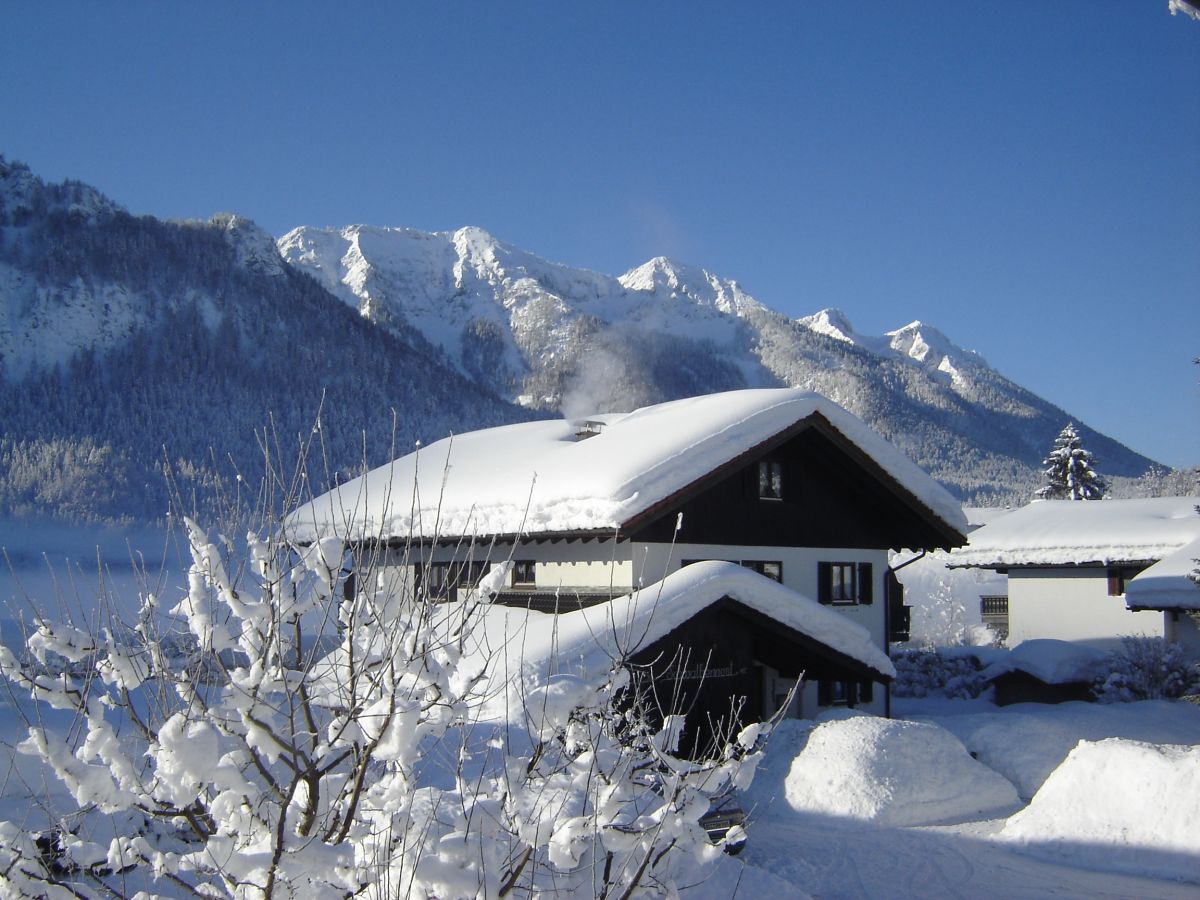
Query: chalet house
{"x": 798, "y": 498}
{"x": 1072, "y": 568}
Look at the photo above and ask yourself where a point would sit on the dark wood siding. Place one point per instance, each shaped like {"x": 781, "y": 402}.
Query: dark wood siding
{"x": 833, "y": 496}
{"x": 733, "y": 642}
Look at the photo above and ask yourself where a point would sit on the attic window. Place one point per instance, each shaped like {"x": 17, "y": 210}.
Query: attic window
{"x": 770, "y": 480}
{"x": 588, "y": 429}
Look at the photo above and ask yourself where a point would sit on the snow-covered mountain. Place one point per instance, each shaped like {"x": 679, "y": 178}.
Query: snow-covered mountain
{"x": 552, "y": 337}
{"x": 122, "y": 335}
{"x": 128, "y": 343}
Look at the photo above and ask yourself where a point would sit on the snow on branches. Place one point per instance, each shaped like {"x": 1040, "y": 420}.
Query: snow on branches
{"x": 1069, "y": 470}
{"x": 284, "y": 733}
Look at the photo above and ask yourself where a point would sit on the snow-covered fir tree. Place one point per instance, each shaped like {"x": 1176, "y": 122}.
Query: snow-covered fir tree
{"x": 1069, "y": 470}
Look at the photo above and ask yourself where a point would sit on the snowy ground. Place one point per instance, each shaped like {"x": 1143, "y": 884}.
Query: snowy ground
{"x": 838, "y": 856}
{"x": 836, "y": 848}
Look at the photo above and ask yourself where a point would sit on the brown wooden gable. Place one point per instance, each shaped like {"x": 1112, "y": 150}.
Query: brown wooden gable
{"x": 710, "y": 668}
{"x": 834, "y": 495}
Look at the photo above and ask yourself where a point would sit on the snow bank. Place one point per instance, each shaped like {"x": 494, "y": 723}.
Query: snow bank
{"x": 1025, "y": 742}
{"x": 1118, "y": 804}
{"x": 893, "y": 773}
{"x": 1051, "y": 661}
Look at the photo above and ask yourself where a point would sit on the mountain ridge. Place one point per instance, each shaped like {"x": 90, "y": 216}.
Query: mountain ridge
{"x": 561, "y": 336}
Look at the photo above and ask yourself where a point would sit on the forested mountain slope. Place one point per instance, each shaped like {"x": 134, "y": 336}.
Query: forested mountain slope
{"x": 126, "y": 341}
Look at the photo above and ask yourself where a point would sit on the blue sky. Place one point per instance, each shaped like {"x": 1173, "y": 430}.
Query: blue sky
{"x": 1021, "y": 175}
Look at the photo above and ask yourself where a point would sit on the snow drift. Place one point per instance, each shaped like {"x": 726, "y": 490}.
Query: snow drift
{"x": 1118, "y": 804}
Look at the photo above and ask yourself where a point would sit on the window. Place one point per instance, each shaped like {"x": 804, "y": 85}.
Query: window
{"x": 441, "y": 579}
{"x": 522, "y": 574}
{"x": 1119, "y": 578}
{"x": 769, "y": 568}
{"x": 770, "y": 480}
{"x": 844, "y": 692}
{"x": 844, "y": 583}
{"x": 434, "y": 578}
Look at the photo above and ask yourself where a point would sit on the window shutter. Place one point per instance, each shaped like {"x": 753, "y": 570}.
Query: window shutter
{"x": 866, "y": 691}
{"x": 824, "y": 582}
{"x": 824, "y": 694}
{"x": 1114, "y": 582}
{"x": 866, "y": 587}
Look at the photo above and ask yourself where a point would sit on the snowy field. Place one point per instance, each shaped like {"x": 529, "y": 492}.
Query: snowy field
{"x": 950, "y": 799}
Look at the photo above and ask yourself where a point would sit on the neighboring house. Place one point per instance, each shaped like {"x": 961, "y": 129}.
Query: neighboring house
{"x": 1170, "y": 586}
{"x": 782, "y": 482}
{"x": 1069, "y": 564}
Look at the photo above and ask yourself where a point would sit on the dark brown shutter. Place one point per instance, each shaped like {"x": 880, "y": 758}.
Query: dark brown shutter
{"x": 824, "y": 694}
{"x": 824, "y": 582}
{"x": 866, "y": 586}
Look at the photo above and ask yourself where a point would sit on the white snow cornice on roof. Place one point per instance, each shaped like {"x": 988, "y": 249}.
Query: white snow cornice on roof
{"x": 1083, "y": 532}
{"x": 536, "y": 477}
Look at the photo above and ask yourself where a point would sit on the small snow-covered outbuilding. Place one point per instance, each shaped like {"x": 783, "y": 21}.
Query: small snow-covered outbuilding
{"x": 1092, "y": 571}
{"x": 784, "y": 483}
{"x": 1170, "y": 586}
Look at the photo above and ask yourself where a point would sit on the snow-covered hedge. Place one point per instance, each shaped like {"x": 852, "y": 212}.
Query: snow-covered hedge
{"x": 920, "y": 673}
{"x": 1146, "y": 668}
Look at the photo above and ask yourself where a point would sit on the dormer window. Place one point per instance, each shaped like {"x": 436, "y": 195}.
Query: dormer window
{"x": 770, "y": 480}
{"x": 588, "y": 429}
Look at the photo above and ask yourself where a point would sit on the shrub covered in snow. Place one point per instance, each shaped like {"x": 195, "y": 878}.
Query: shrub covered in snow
{"x": 920, "y": 673}
{"x": 893, "y": 772}
{"x": 1146, "y": 668}
{"x": 281, "y": 767}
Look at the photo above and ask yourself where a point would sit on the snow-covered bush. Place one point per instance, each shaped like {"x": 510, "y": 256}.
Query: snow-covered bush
{"x": 297, "y": 736}
{"x": 1145, "y": 668}
{"x": 920, "y": 673}
{"x": 892, "y": 772}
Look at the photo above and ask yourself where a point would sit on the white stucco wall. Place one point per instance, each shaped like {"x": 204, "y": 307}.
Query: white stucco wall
{"x": 565, "y": 565}
{"x": 1072, "y": 604}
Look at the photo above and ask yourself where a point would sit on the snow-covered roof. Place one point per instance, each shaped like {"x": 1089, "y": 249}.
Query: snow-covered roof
{"x": 1083, "y": 532}
{"x": 587, "y": 640}
{"x": 1167, "y": 584}
{"x": 537, "y": 477}
{"x": 1051, "y": 661}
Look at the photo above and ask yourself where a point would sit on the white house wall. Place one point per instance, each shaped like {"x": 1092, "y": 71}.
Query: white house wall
{"x": 566, "y": 564}
{"x": 1072, "y": 605}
